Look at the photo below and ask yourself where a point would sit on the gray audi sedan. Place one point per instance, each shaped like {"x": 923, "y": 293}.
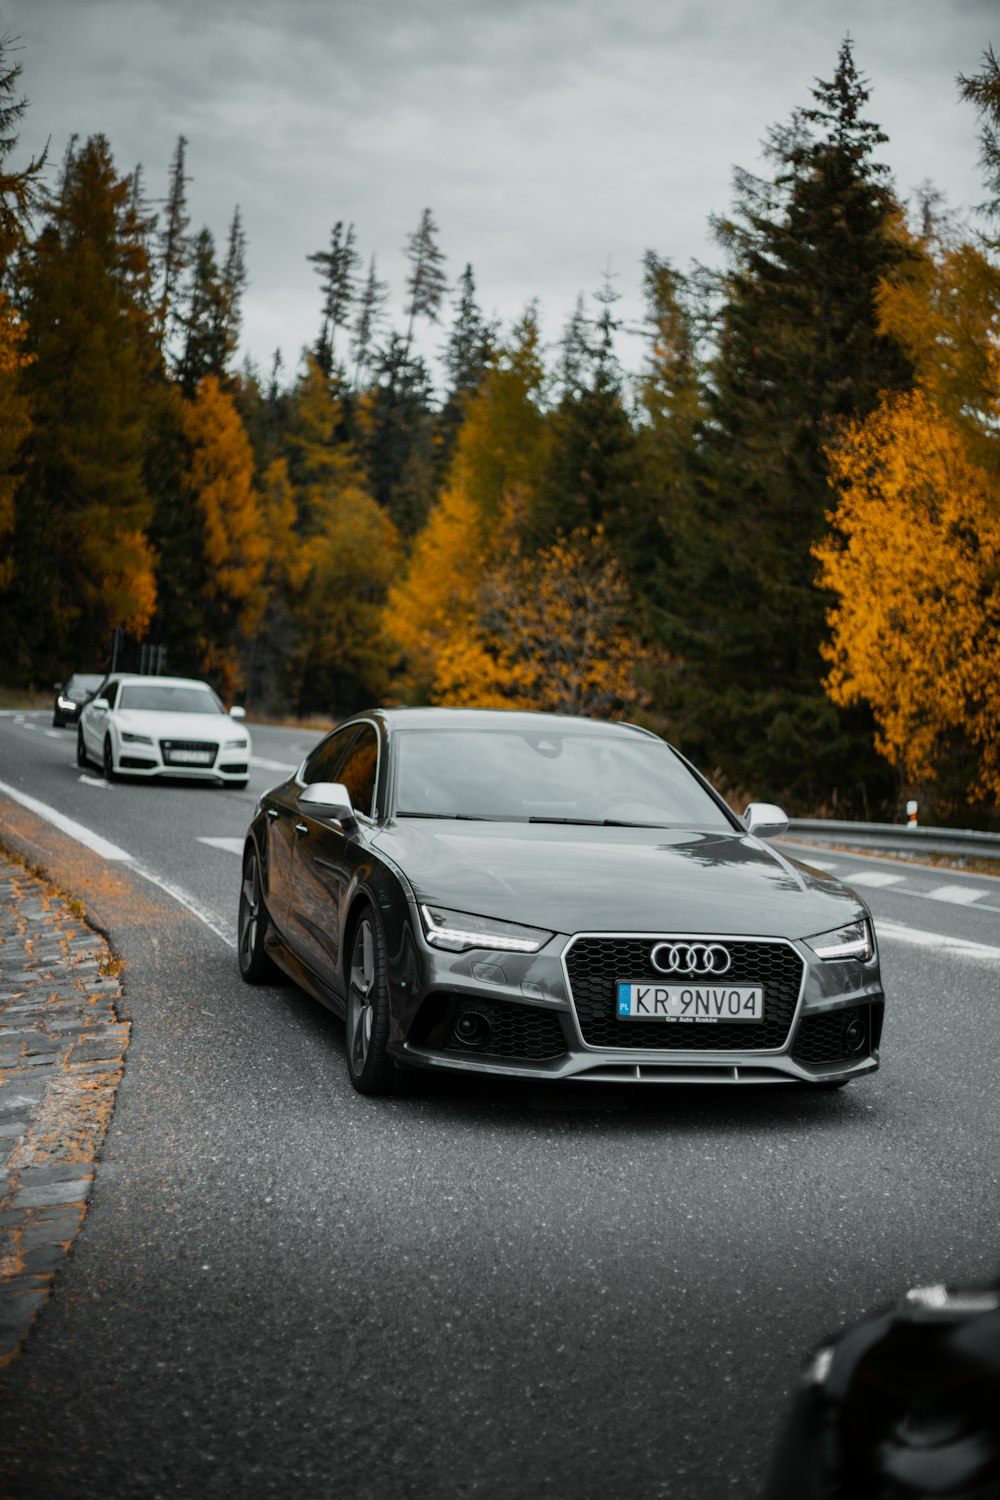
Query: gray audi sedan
{"x": 534, "y": 896}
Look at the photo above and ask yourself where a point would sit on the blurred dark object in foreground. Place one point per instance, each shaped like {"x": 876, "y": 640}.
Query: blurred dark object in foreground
{"x": 905, "y": 1406}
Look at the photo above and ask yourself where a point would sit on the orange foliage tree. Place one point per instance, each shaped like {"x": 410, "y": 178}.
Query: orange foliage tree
{"x": 218, "y": 480}
{"x": 548, "y": 632}
{"x": 914, "y": 560}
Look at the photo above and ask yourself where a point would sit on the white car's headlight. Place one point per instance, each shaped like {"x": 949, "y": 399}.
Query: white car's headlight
{"x": 66, "y": 703}
{"x": 457, "y": 930}
{"x": 129, "y": 738}
{"x": 235, "y": 745}
{"x": 853, "y": 941}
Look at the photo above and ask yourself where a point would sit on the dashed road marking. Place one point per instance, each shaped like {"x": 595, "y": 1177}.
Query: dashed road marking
{"x": 229, "y": 846}
{"x": 919, "y": 938}
{"x": 271, "y": 765}
{"x": 872, "y": 877}
{"x": 94, "y": 781}
{"x": 961, "y": 895}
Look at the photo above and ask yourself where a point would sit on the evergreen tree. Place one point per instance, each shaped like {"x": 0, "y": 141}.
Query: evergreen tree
{"x": 426, "y": 283}
{"x": 466, "y": 357}
{"x": 211, "y": 321}
{"x": 337, "y": 269}
{"x": 174, "y": 245}
{"x": 396, "y": 437}
{"x": 18, "y": 196}
{"x": 799, "y": 351}
{"x": 82, "y": 562}
{"x": 983, "y": 90}
{"x": 367, "y": 322}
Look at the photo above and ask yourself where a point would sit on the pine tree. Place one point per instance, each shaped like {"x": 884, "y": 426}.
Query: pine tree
{"x": 466, "y": 358}
{"x": 174, "y": 245}
{"x": 18, "y": 197}
{"x": 82, "y": 559}
{"x": 211, "y": 320}
{"x": 983, "y": 90}
{"x": 337, "y": 270}
{"x": 395, "y": 436}
{"x": 367, "y": 322}
{"x": 426, "y": 284}
{"x": 799, "y": 351}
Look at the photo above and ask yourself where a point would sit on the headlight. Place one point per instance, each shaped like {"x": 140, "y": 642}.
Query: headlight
{"x": 135, "y": 739}
{"x": 66, "y": 703}
{"x": 853, "y": 941}
{"x": 235, "y": 745}
{"x": 457, "y": 930}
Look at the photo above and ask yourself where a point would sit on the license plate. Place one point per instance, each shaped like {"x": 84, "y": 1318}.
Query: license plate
{"x": 191, "y": 757}
{"x": 705, "y": 1003}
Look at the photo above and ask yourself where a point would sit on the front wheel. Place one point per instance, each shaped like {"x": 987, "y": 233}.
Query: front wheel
{"x": 371, "y": 1069}
{"x": 81, "y": 750}
{"x": 108, "y": 761}
{"x": 251, "y": 926}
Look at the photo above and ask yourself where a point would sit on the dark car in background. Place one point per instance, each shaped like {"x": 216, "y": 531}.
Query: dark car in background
{"x": 72, "y": 695}
{"x": 534, "y": 896}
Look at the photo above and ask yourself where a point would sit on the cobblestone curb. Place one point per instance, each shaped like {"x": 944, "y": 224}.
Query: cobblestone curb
{"x": 62, "y": 1048}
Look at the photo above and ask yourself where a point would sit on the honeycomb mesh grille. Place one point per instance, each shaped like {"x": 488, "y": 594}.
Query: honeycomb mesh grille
{"x": 820, "y": 1039}
{"x": 595, "y": 966}
{"x": 515, "y": 1031}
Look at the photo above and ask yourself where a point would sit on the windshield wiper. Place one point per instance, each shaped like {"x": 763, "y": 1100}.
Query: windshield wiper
{"x": 462, "y": 817}
{"x": 598, "y": 822}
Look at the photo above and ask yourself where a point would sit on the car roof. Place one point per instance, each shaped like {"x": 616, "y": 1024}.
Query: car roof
{"x": 495, "y": 718}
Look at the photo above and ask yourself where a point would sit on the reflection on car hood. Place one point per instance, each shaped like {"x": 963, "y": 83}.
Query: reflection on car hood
{"x": 171, "y": 726}
{"x": 575, "y": 879}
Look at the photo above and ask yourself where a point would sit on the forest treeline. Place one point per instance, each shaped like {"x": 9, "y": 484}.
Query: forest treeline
{"x": 777, "y": 542}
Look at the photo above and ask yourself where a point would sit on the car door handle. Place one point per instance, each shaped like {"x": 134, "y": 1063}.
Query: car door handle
{"x": 301, "y": 828}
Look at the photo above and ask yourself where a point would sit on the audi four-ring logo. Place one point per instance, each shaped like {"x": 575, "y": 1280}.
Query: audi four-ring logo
{"x": 690, "y": 958}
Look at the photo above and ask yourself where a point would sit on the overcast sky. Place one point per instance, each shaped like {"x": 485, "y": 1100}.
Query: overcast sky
{"x": 552, "y": 139}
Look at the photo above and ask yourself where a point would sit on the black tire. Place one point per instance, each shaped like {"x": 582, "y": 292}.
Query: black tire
{"x": 369, "y": 1067}
{"x": 58, "y": 723}
{"x": 251, "y": 926}
{"x": 108, "y": 762}
{"x": 81, "y": 750}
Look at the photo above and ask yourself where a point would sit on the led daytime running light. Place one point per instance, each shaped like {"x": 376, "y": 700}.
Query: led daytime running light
{"x": 460, "y": 937}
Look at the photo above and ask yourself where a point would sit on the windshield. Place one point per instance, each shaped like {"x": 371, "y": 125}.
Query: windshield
{"x": 82, "y": 683}
{"x": 170, "y": 698}
{"x": 548, "y": 776}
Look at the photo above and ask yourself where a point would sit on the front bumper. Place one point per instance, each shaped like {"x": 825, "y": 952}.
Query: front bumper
{"x": 158, "y": 759}
{"x": 520, "y": 1019}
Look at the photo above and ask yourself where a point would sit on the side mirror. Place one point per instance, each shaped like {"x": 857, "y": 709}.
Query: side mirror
{"x": 101, "y": 705}
{"x": 236, "y": 712}
{"x": 328, "y": 799}
{"x": 57, "y": 687}
{"x": 764, "y": 820}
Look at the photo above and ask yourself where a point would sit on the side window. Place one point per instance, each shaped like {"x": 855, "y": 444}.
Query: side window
{"x": 324, "y": 763}
{"x": 358, "y": 771}
{"x": 110, "y": 691}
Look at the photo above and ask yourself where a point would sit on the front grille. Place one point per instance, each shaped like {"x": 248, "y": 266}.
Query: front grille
{"x": 820, "y": 1039}
{"x": 179, "y": 752}
{"x": 515, "y": 1031}
{"x": 595, "y": 965}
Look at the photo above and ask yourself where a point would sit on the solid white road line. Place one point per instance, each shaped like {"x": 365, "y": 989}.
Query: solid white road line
{"x": 98, "y": 845}
{"x": 230, "y": 846}
{"x": 85, "y": 836}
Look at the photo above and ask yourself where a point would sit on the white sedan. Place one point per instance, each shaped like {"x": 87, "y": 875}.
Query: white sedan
{"x": 163, "y": 726}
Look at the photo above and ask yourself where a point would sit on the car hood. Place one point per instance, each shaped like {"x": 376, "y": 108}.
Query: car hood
{"x": 578, "y": 879}
{"x": 167, "y": 726}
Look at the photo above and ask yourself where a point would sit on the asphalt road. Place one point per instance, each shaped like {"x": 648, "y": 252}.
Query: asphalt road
{"x": 283, "y": 1289}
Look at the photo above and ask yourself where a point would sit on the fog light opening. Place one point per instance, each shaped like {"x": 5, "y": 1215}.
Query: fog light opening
{"x": 855, "y": 1034}
{"x": 472, "y": 1028}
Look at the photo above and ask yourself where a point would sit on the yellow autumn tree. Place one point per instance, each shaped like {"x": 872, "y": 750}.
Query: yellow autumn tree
{"x": 548, "y": 632}
{"x": 218, "y": 481}
{"x": 914, "y": 563}
{"x": 499, "y": 449}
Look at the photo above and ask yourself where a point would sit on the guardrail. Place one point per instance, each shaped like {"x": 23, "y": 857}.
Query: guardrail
{"x": 897, "y": 837}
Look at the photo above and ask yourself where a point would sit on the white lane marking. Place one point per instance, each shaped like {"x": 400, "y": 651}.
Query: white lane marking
{"x": 872, "y": 877}
{"x": 77, "y": 831}
{"x": 55, "y": 734}
{"x": 962, "y": 895}
{"x": 229, "y": 846}
{"x": 271, "y": 765}
{"x": 919, "y": 938}
{"x": 94, "y": 781}
{"x": 106, "y": 850}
